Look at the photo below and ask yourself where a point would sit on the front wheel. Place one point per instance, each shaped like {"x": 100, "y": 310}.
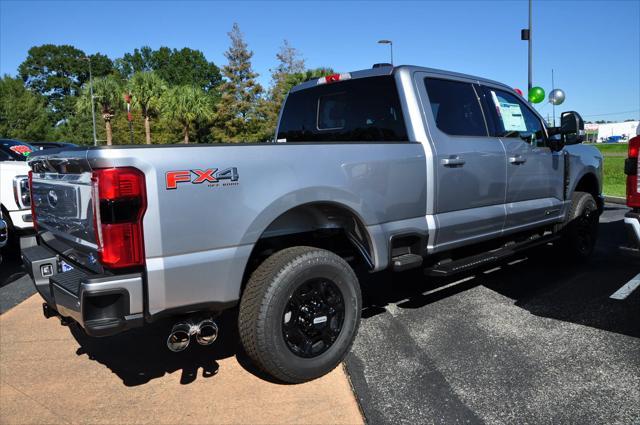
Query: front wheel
{"x": 299, "y": 313}
{"x": 581, "y": 229}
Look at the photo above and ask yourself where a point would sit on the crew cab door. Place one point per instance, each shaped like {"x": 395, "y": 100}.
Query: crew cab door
{"x": 535, "y": 174}
{"x": 469, "y": 164}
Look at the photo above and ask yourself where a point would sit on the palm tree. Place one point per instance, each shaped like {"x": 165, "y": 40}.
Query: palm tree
{"x": 147, "y": 89}
{"x": 108, "y": 94}
{"x": 186, "y": 105}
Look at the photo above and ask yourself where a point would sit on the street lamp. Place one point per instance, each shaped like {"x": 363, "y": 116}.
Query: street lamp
{"x": 93, "y": 107}
{"x": 390, "y": 43}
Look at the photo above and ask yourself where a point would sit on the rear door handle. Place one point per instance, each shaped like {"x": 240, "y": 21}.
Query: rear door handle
{"x": 454, "y": 161}
{"x": 517, "y": 160}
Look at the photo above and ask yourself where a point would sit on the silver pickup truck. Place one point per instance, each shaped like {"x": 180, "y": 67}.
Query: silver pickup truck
{"x": 388, "y": 168}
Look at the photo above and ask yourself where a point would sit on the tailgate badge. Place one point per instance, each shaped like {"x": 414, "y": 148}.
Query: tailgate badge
{"x": 52, "y": 198}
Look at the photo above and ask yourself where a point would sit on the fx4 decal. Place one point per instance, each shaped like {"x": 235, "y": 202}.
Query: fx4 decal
{"x": 210, "y": 175}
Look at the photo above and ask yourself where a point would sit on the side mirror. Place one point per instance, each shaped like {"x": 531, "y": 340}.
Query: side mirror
{"x": 571, "y": 128}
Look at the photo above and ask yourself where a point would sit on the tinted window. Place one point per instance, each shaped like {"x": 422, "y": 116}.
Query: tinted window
{"x": 515, "y": 119}
{"x": 365, "y": 109}
{"x": 455, "y": 107}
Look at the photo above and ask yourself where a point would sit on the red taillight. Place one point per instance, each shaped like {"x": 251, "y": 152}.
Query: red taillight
{"x": 119, "y": 203}
{"x": 634, "y": 147}
{"x": 33, "y": 205}
{"x": 631, "y": 169}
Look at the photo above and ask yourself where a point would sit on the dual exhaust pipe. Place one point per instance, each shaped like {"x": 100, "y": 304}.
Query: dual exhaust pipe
{"x": 205, "y": 332}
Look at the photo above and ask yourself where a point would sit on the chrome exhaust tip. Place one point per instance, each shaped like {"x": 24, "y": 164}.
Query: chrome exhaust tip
{"x": 207, "y": 332}
{"x": 179, "y": 337}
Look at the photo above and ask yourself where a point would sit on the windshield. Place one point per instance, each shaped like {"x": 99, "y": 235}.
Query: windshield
{"x": 13, "y": 150}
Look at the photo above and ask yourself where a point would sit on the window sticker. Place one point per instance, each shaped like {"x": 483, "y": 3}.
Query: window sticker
{"x": 21, "y": 149}
{"x": 510, "y": 113}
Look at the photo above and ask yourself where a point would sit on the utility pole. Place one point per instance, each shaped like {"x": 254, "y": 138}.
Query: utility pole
{"x": 553, "y": 87}
{"x": 530, "y": 83}
{"x": 93, "y": 106}
{"x": 526, "y": 34}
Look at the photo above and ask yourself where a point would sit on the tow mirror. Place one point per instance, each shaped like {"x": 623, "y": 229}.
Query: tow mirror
{"x": 571, "y": 128}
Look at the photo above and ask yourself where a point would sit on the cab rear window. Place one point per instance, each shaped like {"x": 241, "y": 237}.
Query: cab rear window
{"x": 360, "y": 110}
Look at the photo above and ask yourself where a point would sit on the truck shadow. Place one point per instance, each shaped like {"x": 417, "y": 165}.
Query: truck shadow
{"x": 140, "y": 355}
{"x": 541, "y": 282}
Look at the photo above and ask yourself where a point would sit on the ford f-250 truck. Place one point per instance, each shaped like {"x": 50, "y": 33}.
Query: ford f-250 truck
{"x": 387, "y": 168}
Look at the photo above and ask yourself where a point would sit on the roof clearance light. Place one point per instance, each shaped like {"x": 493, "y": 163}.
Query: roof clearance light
{"x": 333, "y": 78}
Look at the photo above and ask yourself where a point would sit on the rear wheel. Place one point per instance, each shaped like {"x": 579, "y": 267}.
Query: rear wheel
{"x": 581, "y": 228}
{"x": 299, "y": 313}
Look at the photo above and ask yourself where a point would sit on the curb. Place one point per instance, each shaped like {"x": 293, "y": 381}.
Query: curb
{"x": 615, "y": 200}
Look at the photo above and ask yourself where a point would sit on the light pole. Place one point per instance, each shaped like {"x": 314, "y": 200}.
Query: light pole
{"x": 93, "y": 107}
{"x": 390, "y": 43}
{"x": 526, "y": 34}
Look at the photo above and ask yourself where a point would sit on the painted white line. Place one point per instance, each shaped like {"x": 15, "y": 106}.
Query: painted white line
{"x": 442, "y": 288}
{"x": 520, "y": 260}
{"x": 495, "y": 269}
{"x": 627, "y": 289}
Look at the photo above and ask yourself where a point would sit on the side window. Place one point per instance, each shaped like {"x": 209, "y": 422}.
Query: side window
{"x": 455, "y": 107}
{"x": 515, "y": 119}
{"x": 358, "y": 110}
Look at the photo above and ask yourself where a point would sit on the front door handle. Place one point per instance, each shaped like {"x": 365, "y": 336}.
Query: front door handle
{"x": 517, "y": 159}
{"x": 454, "y": 161}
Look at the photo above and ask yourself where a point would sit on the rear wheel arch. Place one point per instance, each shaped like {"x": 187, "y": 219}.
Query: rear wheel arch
{"x": 326, "y": 225}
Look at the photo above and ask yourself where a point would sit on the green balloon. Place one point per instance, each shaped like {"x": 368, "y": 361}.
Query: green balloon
{"x": 536, "y": 94}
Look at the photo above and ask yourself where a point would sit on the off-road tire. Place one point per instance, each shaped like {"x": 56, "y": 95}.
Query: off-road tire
{"x": 580, "y": 231}
{"x": 263, "y": 304}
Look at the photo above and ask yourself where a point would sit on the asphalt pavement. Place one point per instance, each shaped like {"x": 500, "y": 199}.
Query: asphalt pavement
{"x": 15, "y": 284}
{"x": 535, "y": 341}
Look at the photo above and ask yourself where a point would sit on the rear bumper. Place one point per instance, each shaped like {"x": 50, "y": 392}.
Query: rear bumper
{"x": 632, "y": 225}
{"x": 102, "y": 305}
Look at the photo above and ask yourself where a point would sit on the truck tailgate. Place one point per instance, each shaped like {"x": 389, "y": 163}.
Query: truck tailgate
{"x": 62, "y": 203}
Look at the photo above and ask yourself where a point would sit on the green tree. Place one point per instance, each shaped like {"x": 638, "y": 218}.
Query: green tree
{"x": 147, "y": 89}
{"x": 186, "y": 105}
{"x": 141, "y": 60}
{"x": 108, "y": 93}
{"x": 289, "y": 62}
{"x": 23, "y": 114}
{"x": 309, "y": 74}
{"x": 177, "y": 67}
{"x": 239, "y": 113}
{"x": 58, "y": 72}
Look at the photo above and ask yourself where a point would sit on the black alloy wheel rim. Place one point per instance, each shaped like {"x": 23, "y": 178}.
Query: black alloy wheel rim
{"x": 313, "y": 318}
{"x": 585, "y": 228}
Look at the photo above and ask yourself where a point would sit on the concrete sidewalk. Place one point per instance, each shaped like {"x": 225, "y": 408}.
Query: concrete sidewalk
{"x": 53, "y": 374}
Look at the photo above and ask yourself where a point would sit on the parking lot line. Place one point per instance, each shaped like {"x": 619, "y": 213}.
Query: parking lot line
{"x": 627, "y": 289}
{"x": 495, "y": 269}
{"x": 442, "y": 288}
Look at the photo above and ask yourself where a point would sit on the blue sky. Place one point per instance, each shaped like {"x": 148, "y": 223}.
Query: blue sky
{"x": 593, "y": 46}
